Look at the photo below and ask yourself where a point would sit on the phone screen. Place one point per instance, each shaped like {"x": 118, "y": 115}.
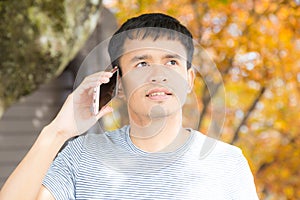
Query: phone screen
{"x": 105, "y": 92}
{"x": 108, "y": 90}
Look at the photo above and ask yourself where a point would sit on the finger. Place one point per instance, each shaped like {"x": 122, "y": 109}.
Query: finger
{"x": 91, "y": 91}
{"x": 91, "y": 84}
{"x": 99, "y": 74}
{"x": 95, "y": 83}
{"x": 104, "y": 110}
{"x": 95, "y": 78}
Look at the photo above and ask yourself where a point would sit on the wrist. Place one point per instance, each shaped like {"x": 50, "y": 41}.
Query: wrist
{"x": 58, "y": 132}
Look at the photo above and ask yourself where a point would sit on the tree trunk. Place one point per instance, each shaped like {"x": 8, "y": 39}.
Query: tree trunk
{"x": 38, "y": 39}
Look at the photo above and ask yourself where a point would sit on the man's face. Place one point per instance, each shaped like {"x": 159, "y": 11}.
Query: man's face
{"x": 155, "y": 77}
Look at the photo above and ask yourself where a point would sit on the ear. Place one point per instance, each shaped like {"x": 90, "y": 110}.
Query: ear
{"x": 190, "y": 79}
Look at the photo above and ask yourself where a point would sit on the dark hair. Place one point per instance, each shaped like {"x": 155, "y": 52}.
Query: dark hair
{"x": 152, "y": 25}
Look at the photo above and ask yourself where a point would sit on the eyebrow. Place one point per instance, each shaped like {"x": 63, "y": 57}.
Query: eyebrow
{"x": 138, "y": 58}
{"x": 173, "y": 56}
{"x": 145, "y": 57}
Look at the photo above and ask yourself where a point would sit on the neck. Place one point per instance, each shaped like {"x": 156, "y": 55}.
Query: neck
{"x": 160, "y": 134}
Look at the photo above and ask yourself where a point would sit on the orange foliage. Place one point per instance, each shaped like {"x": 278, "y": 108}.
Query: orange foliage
{"x": 256, "y": 47}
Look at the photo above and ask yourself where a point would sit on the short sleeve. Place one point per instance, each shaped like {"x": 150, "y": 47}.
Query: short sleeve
{"x": 245, "y": 181}
{"x": 60, "y": 178}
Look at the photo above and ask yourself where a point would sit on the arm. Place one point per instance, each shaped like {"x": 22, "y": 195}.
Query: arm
{"x": 26, "y": 180}
{"x": 44, "y": 194}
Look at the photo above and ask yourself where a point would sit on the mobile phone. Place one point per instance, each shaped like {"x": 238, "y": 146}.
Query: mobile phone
{"x": 105, "y": 92}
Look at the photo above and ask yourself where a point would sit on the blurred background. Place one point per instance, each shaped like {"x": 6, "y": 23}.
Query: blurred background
{"x": 255, "y": 45}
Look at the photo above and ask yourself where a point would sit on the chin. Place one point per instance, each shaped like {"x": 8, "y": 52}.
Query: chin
{"x": 156, "y": 114}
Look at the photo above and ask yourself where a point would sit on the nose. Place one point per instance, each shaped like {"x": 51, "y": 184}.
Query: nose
{"x": 158, "y": 75}
{"x": 158, "y": 79}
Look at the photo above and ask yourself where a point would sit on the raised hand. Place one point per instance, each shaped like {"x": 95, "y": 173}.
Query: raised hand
{"x": 76, "y": 116}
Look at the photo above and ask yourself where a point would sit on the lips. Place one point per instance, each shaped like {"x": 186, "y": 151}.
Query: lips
{"x": 158, "y": 94}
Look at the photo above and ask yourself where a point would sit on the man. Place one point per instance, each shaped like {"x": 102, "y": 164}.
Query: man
{"x": 152, "y": 158}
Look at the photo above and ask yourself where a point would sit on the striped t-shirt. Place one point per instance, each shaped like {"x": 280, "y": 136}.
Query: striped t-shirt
{"x": 109, "y": 166}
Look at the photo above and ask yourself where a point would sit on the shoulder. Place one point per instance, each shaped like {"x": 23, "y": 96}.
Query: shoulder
{"x": 210, "y": 148}
{"x": 92, "y": 142}
{"x": 227, "y": 163}
{"x": 220, "y": 157}
{"x": 73, "y": 146}
{"x": 77, "y": 144}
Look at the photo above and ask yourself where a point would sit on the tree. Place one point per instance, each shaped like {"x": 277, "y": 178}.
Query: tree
{"x": 38, "y": 40}
{"x": 256, "y": 47}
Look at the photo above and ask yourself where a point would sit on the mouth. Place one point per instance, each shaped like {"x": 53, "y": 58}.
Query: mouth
{"x": 158, "y": 94}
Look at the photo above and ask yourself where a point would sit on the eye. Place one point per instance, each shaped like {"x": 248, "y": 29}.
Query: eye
{"x": 172, "y": 62}
{"x": 142, "y": 64}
